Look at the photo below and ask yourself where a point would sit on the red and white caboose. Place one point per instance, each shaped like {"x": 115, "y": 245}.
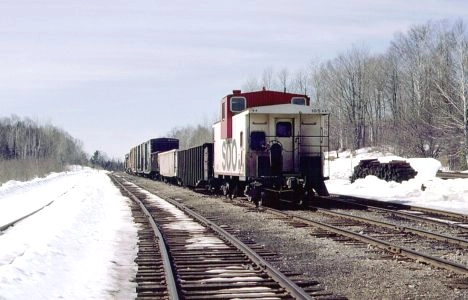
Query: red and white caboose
{"x": 268, "y": 143}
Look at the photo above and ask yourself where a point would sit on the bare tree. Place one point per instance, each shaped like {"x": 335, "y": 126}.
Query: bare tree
{"x": 190, "y": 136}
{"x": 267, "y": 78}
{"x": 348, "y": 77}
{"x": 283, "y": 78}
{"x": 251, "y": 85}
{"x": 450, "y": 58}
{"x": 377, "y": 104}
{"x": 301, "y": 82}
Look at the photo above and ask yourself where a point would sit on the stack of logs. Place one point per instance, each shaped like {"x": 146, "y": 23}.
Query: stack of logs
{"x": 396, "y": 170}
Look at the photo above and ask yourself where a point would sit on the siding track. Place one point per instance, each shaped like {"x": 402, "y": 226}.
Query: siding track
{"x": 448, "y": 251}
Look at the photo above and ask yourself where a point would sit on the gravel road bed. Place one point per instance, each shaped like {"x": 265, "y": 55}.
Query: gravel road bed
{"x": 353, "y": 271}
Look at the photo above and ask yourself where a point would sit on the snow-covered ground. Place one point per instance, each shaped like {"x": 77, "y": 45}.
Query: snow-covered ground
{"x": 450, "y": 194}
{"x": 83, "y": 244}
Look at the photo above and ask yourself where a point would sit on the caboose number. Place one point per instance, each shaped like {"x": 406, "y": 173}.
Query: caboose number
{"x": 229, "y": 154}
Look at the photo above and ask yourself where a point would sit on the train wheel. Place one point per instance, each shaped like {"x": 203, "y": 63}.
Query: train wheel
{"x": 225, "y": 188}
{"x": 268, "y": 198}
{"x": 211, "y": 189}
{"x": 235, "y": 191}
{"x": 273, "y": 199}
{"x": 306, "y": 198}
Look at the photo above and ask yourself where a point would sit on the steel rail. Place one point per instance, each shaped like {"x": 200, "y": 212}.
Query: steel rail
{"x": 400, "y": 207}
{"x": 170, "y": 278}
{"x": 435, "y": 261}
{"x": 8, "y": 225}
{"x": 411, "y": 207}
{"x": 295, "y": 291}
{"x": 433, "y": 235}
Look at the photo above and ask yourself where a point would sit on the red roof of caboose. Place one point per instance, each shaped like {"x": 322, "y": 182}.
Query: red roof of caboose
{"x": 253, "y": 99}
{"x": 264, "y": 97}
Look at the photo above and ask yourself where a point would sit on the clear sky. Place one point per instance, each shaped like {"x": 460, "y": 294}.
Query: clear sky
{"x": 114, "y": 73}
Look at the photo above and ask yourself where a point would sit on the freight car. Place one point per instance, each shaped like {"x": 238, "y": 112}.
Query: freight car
{"x": 191, "y": 167}
{"x": 142, "y": 159}
{"x": 195, "y": 166}
{"x": 267, "y": 145}
{"x": 167, "y": 162}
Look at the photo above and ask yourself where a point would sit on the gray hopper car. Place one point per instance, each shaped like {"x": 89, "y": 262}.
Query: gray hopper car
{"x": 195, "y": 165}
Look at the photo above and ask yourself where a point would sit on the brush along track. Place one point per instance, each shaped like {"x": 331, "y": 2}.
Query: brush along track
{"x": 208, "y": 262}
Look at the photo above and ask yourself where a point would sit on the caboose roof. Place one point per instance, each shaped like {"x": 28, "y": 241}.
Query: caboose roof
{"x": 264, "y": 93}
{"x": 286, "y": 109}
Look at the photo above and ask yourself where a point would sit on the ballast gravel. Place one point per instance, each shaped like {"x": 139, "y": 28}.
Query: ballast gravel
{"x": 347, "y": 269}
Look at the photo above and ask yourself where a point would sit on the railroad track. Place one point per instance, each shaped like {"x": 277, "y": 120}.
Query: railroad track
{"x": 418, "y": 214}
{"x": 448, "y": 251}
{"x": 4, "y": 227}
{"x": 439, "y": 250}
{"x": 194, "y": 258}
{"x": 28, "y": 214}
{"x": 433, "y": 248}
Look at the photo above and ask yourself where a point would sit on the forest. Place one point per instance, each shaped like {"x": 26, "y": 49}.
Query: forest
{"x": 412, "y": 98}
{"x": 29, "y": 149}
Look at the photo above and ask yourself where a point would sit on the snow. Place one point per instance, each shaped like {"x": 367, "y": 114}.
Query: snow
{"x": 424, "y": 190}
{"x": 83, "y": 244}
{"x": 181, "y": 221}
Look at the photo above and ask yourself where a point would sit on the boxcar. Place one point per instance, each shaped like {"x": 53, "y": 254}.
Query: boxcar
{"x": 195, "y": 165}
{"x": 146, "y": 164}
{"x": 127, "y": 163}
{"x": 167, "y": 162}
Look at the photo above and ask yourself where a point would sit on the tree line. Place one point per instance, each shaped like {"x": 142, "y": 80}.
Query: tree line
{"x": 413, "y": 97}
{"x": 29, "y": 149}
{"x": 26, "y": 139}
{"x": 190, "y": 136}
{"x": 100, "y": 160}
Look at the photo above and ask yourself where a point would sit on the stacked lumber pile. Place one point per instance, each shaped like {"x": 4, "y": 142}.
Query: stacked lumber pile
{"x": 396, "y": 170}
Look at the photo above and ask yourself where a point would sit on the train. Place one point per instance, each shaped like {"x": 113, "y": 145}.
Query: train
{"x": 267, "y": 146}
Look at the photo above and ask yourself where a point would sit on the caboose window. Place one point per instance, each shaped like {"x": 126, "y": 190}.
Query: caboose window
{"x": 257, "y": 140}
{"x": 298, "y": 100}
{"x": 238, "y": 104}
{"x": 283, "y": 129}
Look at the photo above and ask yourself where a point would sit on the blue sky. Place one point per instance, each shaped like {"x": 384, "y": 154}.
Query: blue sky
{"x": 116, "y": 73}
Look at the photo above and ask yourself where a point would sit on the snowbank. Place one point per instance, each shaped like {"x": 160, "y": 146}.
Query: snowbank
{"x": 80, "y": 247}
{"x": 424, "y": 190}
